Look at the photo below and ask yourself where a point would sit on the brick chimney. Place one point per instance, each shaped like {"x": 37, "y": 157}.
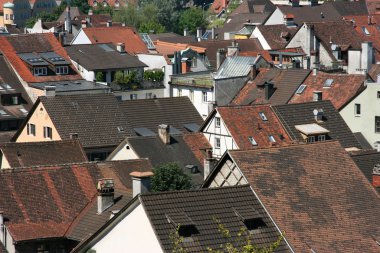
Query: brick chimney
{"x": 208, "y": 164}
{"x": 163, "y": 133}
{"x": 106, "y": 189}
{"x": 376, "y": 176}
{"x": 141, "y": 182}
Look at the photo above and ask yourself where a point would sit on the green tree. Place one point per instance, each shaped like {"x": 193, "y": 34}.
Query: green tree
{"x": 191, "y": 19}
{"x": 46, "y": 16}
{"x": 128, "y": 15}
{"x": 81, "y": 4}
{"x": 99, "y": 77}
{"x": 170, "y": 177}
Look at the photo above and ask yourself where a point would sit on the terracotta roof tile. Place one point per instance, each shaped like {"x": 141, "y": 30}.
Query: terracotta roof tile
{"x": 198, "y": 144}
{"x": 168, "y": 48}
{"x": 244, "y": 121}
{"x": 344, "y": 88}
{"x": 117, "y": 34}
{"x": 316, "y": 194}
{"x": 273, "y": 35}
{"x": 373, "y": 6}
{"x": 10, "y": 46}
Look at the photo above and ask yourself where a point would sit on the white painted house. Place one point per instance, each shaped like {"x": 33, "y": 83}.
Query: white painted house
{"x": 362, "y": 114}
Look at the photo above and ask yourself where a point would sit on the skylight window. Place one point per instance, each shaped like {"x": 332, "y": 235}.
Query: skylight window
{"x": 7, "y": 86}
{"x": 252, "y": 140}
{"x": 262, "y": 116}
{"x": 365, "y": 30}
{"x": 328, "y": 83}
{"x": 272, "y": 139}
{"x": 301, "y": 89}
{"x": 23, "y": 111}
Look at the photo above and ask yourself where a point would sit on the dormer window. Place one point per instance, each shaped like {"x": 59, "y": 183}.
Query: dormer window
{"x": 62, "y": 70}
{"x": 312, "y": 132}
{"x": 40, "y": 71}
{"x": 262, "y": 116}
{"x": 250, "y": 217}
{"x": 186, "y": 227}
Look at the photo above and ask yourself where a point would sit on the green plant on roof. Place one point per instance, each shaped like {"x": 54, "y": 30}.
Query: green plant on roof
{"x": 170, "y": 177}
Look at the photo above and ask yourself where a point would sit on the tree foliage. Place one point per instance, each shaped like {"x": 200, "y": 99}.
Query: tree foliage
{"x": 170, "y": 177}
{"x": 154, "y": 75}
{"x": 192, "y": 18}
{"x": 46, "y": 16}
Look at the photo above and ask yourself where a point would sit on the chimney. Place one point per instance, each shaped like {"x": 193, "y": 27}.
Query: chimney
{"x": 61, "y": 38}
{"x": 367, "y": 56}
{"x": 211, "y": 106}
{"x": 295, "y": 3}
{"x": 317, "y": 95}
{"x": 185, "y": 32}
{"x": 50, "y": 91}
{"x": 252, "y": 72}
{"x": 220, "y": 56}
{"x": 140, "y": 182}
{"x": 163, "y": 133}
{"x": 106, "y": 189}
{"x": 233, "y": 49}
{"x": 315, "y": 71}
{"x": 84, "y": 23}
{"x": 68, "y": 20}
{"x": 199, "y": 33}
{"x": 269, "y": 90}
{"x": 318, "y": 115}
{"x": 90, "y": 12}
{"x": 376, "y": 176}
{"x": 209, "y": 163}
{"x": 109, "y": 23}
{"x": 213, "y": 33}
{"x": 309, "y": 39}
{"x": 185, "y": 66}
{"x": 120, "y": 47}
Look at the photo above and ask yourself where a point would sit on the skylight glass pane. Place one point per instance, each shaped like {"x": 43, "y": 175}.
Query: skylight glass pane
{"x": 271, "y": 138}
{"x": 328, "y": 83}
{"x": 252, "y": 140}
{"x": 301, "y": 89}
{"x": 262, "y": 116}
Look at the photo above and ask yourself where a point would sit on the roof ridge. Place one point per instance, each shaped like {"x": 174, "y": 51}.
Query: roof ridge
{"x": 42, "y": 167}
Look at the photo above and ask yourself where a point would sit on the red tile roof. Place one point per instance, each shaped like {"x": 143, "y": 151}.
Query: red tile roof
{"x": 28, "y": 43}
{"x": 374, "y": 33}
{"x": 316, "y": 194}
{"x": 344, "y": 88}
{"x": 198, "y": 144}
{"x": 244, "y": 121}
{"x": 373, "y": 6}
{"x": 168, "y": 48}
{"x": 117, "y": 34}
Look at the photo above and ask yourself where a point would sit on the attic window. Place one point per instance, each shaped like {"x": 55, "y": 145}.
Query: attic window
{"x": 179, "y": 219}
{"x": 252, "y": 140}
{"x": 365, "y": 30}
{"x": 250, "y": 217}
{"x": 328, "y": 83}
{"x": 301, "y": 89}
{"x": 262, "y": 116}
{"x": 272, "y": 139}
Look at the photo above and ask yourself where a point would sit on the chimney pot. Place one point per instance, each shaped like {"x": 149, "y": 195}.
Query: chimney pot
{"x": 317, "y": 95}
{"x": 106, "y": 189}
{"x": 120, "y": 47}
{"x": 50, "y": 91}
{"x": 141, "y": 182}
{"x": 163, "y": 133}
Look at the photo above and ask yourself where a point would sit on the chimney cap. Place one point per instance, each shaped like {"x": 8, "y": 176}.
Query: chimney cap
{"x": 141, "y": 174}
{"x": 105, "y": 185}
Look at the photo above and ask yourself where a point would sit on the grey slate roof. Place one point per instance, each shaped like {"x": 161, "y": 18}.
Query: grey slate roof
{"x": 201, "y": 208}
{"x": 102, "y": 57}
{"x": 95, "y": 118}
{"x": 235, "y": 66}
{"x": 25, "y": 154}
{"x": 366, "y": 160}
{"x": 73, "y": 86}
{"x": 299, "y": 114}
{"x": 149, "y": 113}
{"x": 159, "y": 153}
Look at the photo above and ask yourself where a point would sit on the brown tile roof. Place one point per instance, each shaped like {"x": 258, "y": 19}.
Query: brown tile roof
{"x": 366, "y": 161}
{"x": 316, "y": 194}
{"x": 6, "y": 136}
{"x": 373, "y": 6}
{"x": 212, "y": 47}
{"x": 357, "y": 7}
{"x": 343, "y": 89}
{"x": 10, "y": 46}
{"x": 244, "y": 121}
{"x": 30, "y": 153}
{"x": 117, "y": 34}
{"x": 374, "y": 71}
{"x": 198, "y": 144}
{"x": 168, "y": 48}
{"x": 59, "y": 201}
{"x": 95, "y": 19}
{"x": 273, "y": 34}
{"x": 374, "y": 33}
{"x": 286, "y": 82}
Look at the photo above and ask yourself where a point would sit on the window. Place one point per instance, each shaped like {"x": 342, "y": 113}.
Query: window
{"x": 148, "y": 95}
{"x": 357, "y": 110}
{"x": 272, "y": 139}
{"x": 321, "y": 137}
{"x": 133, "y": 96}
{"x": 365, "y": 30}
{"x": 301, "y": 89}
{"x": 6, "y": 16}
{"x": 12, "y": 17}
{"x": 179, "y": 93}
{"x": 40, "y": 71}
{"x": 48, "y": 132}
{"x": 328, "y": 83}
{"x": 217, "y": 122}
{"x": 217, "y": 142}
{"x": 378, "y": 94}
{"x": 377, "y": 124}
{"x": 262, "y": 116}
{"x": 252, "y": 140}
{"x": 191, "y": 95}
{"x": 311, "y": 139}
{"x": 62, "y": 70}
{"x": 31, "y": 129}
{"x": 204, "y": 96}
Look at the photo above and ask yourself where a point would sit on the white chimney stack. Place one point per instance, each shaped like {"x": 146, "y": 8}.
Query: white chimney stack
{"x": 141, "y": 182}
{"x": 50, "y": 91}
{"x": 120, "y": 47}
{"x": 317, "y": 95}
{"x": 106, "y": 189}
{"x": 163, "y": 133}
{"x": 208, "y": 165}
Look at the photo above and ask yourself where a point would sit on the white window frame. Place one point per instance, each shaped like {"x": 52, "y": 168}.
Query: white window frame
{"x": 217, "y": 142}
{"x": 217, "y": 122}
{"x": 204, "y": 97}
{"x": 40, "y": 71}
{"x": 31, "y": 129}
{"x": 252, "y": 140}
{"x": 321, "y": 137}
{"x": 62, "y": 70}
{"x": 48, "y": 132}
{"x": 311, "y": 139}
{"x": 262, "y": 116}
{"x": 133, "y": 96}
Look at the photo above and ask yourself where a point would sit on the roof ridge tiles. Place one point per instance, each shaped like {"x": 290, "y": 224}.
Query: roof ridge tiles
{"x": 43, "y": 167}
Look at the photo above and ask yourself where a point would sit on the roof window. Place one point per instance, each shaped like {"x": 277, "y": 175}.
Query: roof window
{"x": 250, "y": 217}
{"x": 252, "y": 140}
{"x": 301, "y": 89}
{"x": 3, "y": 113}
{"x": 328, "y": 83}
{"x": 262, "y": 116}
{"x": 272, "y": 139}
{"x": 365, "y": 30}
{"x": 179, "y": 219}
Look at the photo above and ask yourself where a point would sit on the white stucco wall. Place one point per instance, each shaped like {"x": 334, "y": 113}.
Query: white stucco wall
{"x": 202, "y": 107}
{"x": 277, "y": 18}
{"x": 370, "y": 107}
{"x": 87, "y": 75}
{"x": 226, "y": 141}
{"x": 141, "y": 94}
{"x": 354, "y": 62}
{"x": 257, "y": 34}
{"x": 133, "y": 234}
{"x": 124, "y": 154}
{"x": 158, "y": 62}
{"x": 80, "y": 39}
{"x": 4, "y": 162}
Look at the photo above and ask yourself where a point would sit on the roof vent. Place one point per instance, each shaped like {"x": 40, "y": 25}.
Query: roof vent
{"x": 318, "y": 114}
